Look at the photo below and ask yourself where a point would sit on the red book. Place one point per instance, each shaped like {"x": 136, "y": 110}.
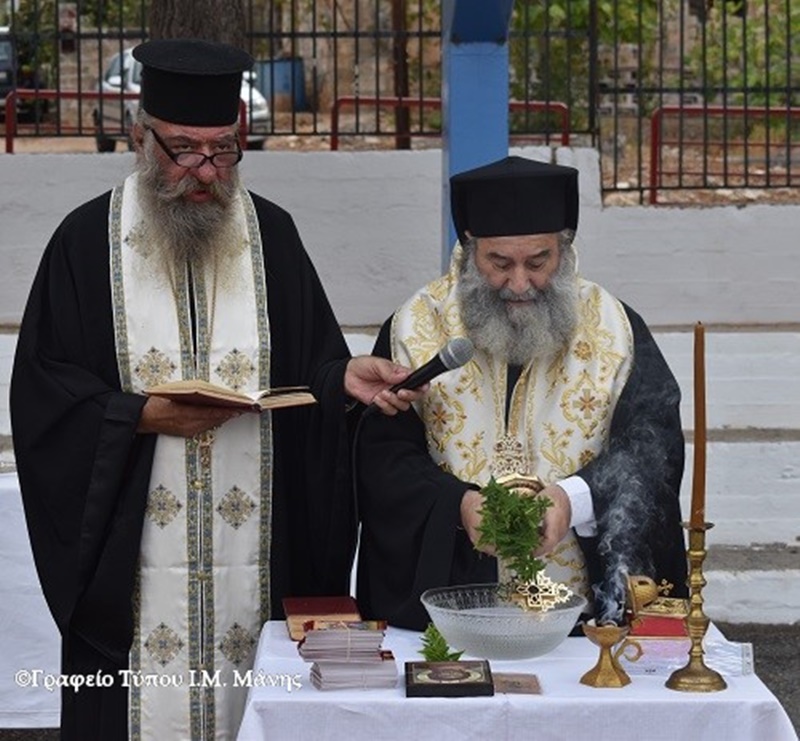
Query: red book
{"x": 655, "y": 626}
{"x": 300, "y": 610}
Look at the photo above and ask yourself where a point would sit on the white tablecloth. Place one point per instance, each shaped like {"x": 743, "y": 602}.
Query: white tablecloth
{"x": 645, "y": 710}
{"x": 29, "y": 639}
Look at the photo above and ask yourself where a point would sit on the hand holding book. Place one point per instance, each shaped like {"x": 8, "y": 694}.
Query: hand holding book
{"x": 203, "y": 393}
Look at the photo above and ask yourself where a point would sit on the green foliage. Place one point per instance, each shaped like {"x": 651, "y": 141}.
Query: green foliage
{"x": 34, "y": 27}
{"x": 617, "y": 22}
{"x": 34, "y": 24}
{"x": 510, "y": 523}
{"x": 435, "y": 648}
{"x": 551, "y": 51}
{"x": 39, "y": 18}
{"x": 753, "y": 55}
{"x": 116, "y": 14}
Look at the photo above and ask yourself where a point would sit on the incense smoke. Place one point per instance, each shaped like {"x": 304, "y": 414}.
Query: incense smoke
{"x": 632, "y": 479}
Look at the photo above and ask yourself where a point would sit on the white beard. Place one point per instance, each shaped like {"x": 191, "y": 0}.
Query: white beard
{"x": 177, "y": 231}
{"x": 519, "y": 334}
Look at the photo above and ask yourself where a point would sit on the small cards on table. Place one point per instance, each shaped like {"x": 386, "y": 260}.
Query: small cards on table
{"x": 347, "y": 654}
{"x": 448, "y": 679}
{"x": 342, "y": 640}
{"x": 514, "y": 683}
{"x": 376, "y": 673}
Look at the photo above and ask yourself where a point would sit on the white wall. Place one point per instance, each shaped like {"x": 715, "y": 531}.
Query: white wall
{"x": 371, "y": 221}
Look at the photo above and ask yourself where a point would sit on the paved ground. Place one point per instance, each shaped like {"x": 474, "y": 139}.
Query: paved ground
{"x": 777, "y": 658}
{"x": 776, "y": 649}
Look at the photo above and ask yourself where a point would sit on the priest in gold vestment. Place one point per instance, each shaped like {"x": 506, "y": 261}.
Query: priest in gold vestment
{"x": 566, "y": 383}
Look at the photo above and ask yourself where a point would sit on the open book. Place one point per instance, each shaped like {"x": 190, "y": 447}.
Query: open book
{"x": 197, "y": 391}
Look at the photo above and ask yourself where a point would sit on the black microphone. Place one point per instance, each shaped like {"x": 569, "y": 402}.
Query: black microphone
{"x": 453, "y": 355}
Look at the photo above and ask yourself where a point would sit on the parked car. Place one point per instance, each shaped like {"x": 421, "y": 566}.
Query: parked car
{"x": 113, "y": 119}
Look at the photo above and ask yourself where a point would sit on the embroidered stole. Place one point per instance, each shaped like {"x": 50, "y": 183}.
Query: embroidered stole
{"x": 560, "y": 410}
{"x": 203, "y": 588}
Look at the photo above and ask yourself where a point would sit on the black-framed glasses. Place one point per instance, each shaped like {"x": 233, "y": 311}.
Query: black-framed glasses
{"x": 198, "y": 159}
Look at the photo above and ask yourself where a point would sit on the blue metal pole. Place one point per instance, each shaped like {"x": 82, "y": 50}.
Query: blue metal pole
{"x": 474, "y": 93}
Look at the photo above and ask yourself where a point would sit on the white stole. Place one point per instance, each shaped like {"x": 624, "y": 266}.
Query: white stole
{"x": 203, "y": 589}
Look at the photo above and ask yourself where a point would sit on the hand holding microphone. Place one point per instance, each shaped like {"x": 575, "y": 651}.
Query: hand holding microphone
{"x": 366, "y": 376}
{"x": 453, "y": 355}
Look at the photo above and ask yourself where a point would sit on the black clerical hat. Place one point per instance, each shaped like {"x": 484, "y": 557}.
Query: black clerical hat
{"x": 192, "y": 82}
{"x": 514, "y": 196}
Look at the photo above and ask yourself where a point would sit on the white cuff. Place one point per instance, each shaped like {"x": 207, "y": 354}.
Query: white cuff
{"x": 580, "y": 499}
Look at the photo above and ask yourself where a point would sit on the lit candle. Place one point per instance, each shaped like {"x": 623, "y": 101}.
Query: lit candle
{"x": 699, "y": 481}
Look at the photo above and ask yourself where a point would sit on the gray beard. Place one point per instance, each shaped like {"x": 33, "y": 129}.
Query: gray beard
{"x": 519, "y": 334}
{"x": 179, "y": 231}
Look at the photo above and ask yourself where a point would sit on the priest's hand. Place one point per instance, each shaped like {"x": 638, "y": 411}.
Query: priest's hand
{"x": 556, "y": 520}
{"x": 165, "y": 417}
{"x": 369, "y": 378}
{"x": 471, "y": 518}
{"x": 555, "y": 523}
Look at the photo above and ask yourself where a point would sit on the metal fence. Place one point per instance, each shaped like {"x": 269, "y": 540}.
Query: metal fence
{"x": 699, "y": 102}
{"x": 686, "y": 100}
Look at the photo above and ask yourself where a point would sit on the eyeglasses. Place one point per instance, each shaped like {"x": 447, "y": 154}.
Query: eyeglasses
{"x": 198, "y": 159}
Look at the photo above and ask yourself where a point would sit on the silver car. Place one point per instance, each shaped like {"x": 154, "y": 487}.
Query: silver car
{"x": 113, "y": 117}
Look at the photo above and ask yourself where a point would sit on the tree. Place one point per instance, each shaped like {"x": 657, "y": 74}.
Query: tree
{"x": 34, "y": 26}
{"x": 556, "y": 39}
{"x": 747, "y": 57}
{"x": 212, "y": 20}
{"x": 118, "y": 14}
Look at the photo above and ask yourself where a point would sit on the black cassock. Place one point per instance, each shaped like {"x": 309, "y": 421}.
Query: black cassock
{"x": 84, "y": 472}
{"x": 411, "y": 538}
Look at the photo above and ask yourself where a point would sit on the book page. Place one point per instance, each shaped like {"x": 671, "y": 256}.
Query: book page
{"x": 198, "y": 391}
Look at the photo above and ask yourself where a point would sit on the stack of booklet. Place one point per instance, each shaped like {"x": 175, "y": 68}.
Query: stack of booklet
{"x": 348, "y": 654}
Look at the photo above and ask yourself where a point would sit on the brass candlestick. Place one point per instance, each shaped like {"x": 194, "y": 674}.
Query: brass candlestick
{"x": 696, "y": 676}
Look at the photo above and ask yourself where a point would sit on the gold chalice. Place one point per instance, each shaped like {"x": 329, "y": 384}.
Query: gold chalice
{"x": 608, "y": 672}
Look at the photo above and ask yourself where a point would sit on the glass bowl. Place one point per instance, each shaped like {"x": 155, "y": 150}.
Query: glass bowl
{"x": 476, "y": 619}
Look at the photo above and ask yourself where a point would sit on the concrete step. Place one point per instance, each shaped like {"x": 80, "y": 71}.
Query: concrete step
{"x": 752, "y": 375}
{"x": 757, "y": 584}
{"x": 752, "y": 490}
